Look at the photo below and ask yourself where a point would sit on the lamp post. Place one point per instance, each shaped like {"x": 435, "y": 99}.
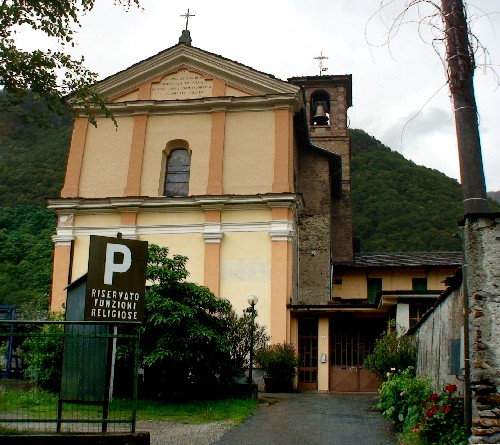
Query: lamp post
{"x": 252, "y": 301}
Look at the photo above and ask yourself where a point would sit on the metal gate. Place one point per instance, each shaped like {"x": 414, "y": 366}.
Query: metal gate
{"x": 308, "y": 354}
{"x": 351, "y": 340}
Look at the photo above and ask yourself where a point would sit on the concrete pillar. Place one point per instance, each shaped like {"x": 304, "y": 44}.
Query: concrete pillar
{"x": 323, "y": 348}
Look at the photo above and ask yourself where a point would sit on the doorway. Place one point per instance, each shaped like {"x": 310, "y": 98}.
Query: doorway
{"x": 352, "y": 338}
{"x": 308, "y": 354}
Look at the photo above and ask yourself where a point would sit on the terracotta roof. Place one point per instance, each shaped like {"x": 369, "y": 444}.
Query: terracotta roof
{"x": 407, "y": 259}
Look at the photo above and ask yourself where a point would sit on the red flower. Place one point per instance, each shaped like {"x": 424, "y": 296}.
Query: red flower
{"x": 416, "y": 429}
{"x": 430, "y": 412}
{"x": 433, "y": 396}
{"x": 446, "y": 409}
{"x": 424, "y": 404}
{"x": 451, "y": 388}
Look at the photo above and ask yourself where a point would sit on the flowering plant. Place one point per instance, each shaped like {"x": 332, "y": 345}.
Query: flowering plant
{"x": 401, "y": 397}
{"x": 441, "y": 419}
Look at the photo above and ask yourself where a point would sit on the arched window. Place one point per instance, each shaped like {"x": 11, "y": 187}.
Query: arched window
{"x": 177, "y": 173}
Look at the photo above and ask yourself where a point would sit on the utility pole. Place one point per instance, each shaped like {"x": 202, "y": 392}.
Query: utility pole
{"x": 461, "y": 65}
{"x": 460, "y": 62}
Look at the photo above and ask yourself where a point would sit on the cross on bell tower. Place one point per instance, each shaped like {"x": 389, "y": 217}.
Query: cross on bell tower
{"x": 321, "y": 57}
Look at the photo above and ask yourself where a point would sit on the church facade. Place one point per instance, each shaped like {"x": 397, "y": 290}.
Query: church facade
{"x": 246, "y": 175}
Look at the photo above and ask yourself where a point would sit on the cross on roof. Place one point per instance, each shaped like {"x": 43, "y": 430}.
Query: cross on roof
{"x": 321, "y": 57}
{"x": 187, "y": 15}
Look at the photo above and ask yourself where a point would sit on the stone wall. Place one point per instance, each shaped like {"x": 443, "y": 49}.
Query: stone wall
{"x": 434, "y": 333}
{"x": 314, "y": 228}
{"x": 482, "y": 250}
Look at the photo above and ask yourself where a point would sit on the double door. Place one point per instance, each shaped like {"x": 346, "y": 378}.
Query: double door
{"x": 351, "y": 340}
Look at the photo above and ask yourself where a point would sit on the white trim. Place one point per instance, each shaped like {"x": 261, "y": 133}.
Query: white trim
{"x": 279, "y": 230}
{"x": 282, "y": 230}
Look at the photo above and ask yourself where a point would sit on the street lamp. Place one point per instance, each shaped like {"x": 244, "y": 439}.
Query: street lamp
{"x": 252, "y": 301}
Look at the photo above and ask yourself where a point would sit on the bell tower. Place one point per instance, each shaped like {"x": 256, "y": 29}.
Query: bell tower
{"x": 327, "y": 208}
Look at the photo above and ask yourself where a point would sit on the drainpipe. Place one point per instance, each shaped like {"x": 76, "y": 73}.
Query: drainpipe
{"x": 466, "y": 328}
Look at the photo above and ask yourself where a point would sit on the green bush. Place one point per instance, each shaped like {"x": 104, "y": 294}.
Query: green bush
{"x": 279, "y": 361}
{"x": 401, "y": 397}
{"x": 42, "y": 353}
{"x": 393, "y": 352}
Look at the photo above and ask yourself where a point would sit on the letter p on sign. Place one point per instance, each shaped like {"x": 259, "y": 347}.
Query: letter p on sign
{"x": 110, "y": 267}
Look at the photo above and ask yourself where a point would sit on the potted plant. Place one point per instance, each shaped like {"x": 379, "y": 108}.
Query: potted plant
{"x": 279, "y": 363}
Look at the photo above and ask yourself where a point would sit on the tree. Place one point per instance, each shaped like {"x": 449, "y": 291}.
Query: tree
{"x": 49, "y": 75}
{"x": 25, "y": 254}
{"x": 240, "y": 332}
{"x": 186, "y": 329}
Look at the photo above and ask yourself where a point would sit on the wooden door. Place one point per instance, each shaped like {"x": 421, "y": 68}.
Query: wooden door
{"x": 351, "y": 340}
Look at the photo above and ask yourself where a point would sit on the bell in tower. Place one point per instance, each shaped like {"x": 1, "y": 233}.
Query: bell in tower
{"x": 320, "y": 116}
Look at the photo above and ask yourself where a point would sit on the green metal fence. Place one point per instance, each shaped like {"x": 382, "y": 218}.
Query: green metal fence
{"x": 67, "y": 376}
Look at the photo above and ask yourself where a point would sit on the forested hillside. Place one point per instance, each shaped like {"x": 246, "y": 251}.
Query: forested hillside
{"x": 495, "y": 196}
{"x": 32, "y": 163}
{"x": 398, "y": 206}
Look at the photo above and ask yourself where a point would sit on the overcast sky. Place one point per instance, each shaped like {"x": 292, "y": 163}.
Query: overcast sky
{"x": 399, "y": 91}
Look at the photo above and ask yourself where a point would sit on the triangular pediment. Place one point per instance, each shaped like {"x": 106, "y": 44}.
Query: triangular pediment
{"x": 185, "y": 72}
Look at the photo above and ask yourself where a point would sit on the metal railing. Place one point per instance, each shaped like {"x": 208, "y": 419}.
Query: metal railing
{"x": 68, "y": 376}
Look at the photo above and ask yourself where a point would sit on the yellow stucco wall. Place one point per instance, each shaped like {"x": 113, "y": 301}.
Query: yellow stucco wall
{"x": 246, "y": 270}
{"x": 80, "y": 257}
{"x": 97, "y": 220}
{"x": 249, "y": 152}
{"x": 190, "y": 245}
{"x": 242, "y": 216}
{"x": 354, "y": 282}
{"x": 196, "y": 130}
{"x": 106, "y": 158}
{"x": 160, "y": 218}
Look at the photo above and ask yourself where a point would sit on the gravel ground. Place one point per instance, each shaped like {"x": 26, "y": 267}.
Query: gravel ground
{"x": 172, "y": 433}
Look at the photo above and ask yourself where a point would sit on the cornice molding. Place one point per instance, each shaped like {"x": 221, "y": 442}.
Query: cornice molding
{"x": 65, "y": 206}
{"x": 203, "y": 105}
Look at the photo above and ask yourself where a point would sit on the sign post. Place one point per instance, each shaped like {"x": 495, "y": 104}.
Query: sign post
{"x": 116, "y": 280}
{"x": 112, "y": 291}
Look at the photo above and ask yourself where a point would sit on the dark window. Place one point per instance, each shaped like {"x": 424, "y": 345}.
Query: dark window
{"x": 419, "y": 283}
{"x": 417, "y": 310}
{"x": 374, "y": 285}
{"x": 177, "y": 174}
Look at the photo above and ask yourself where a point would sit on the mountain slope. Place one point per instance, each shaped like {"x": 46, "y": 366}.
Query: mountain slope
{"x": 398, "y": 205}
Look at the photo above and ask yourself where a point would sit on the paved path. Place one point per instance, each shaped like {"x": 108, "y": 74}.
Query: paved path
{"x": 313, "y": 419}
